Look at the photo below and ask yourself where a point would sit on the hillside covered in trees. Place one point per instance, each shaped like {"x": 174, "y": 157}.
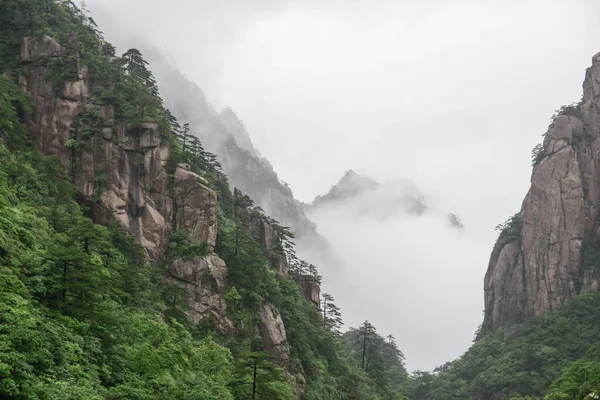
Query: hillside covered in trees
{"x": 130, "y": 269}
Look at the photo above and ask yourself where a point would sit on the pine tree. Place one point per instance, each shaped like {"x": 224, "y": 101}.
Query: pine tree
{"x": 140, "y": 85}
{"x": 332, "y": 317}
{"x": 365, "y": 338}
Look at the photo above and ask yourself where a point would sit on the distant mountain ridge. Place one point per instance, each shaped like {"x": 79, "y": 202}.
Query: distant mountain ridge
{"x": 381, "y": 200}
{"x": 224, "y": 134}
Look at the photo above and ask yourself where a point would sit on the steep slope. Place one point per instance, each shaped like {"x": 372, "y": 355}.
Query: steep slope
{"x": 224, "y": 134}
{"x": 540, "y": 337}
{"x": 130, "y": 264}
{"x": 545, "y": 254}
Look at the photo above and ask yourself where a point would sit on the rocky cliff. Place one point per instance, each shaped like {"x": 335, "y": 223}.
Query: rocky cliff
{"x": 126, "y": 173}
{"x": 224, "y": 134}
{"x": 542, "y": 257}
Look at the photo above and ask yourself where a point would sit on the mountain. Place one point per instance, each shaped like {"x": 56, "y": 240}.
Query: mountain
{"x": 546, "y": 253}
{"x": 540, "y": 337}
{"x": 349, "y": 186}
{"x": 365, "y": 196}
{"x": 224, "y": 134}
{"x": 129, "y": 269}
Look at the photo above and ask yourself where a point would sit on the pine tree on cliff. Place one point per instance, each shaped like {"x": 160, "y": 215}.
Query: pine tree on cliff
{"x": 141, "y": 85}
{"x": 332, "y": 317}
{"x": 365, "y": 338}
{"x": 392, "y": 349}
{"x": 183, "y": 135}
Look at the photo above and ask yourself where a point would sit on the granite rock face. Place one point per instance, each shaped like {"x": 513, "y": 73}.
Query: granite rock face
{"x": 204, "y": 279}
{"x": 538, "y": 266}
{"x": 127, "y": 169}
{"x": 124, "y": 166}
{"x": 274, "y": 337}
{"x": 125, "y": 173}
{"x": 309, "y": 289}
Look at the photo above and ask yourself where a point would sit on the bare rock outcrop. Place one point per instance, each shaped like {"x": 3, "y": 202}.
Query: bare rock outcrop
{"x": 309, "y": 288}
{"x": 273, "y": 335}
{"x": 124, "y": 166}
{"x": 536, "y": 265}
{"x": 51, "y": 120}
{"x": 196, "y": 207}
{"x": 204, "y": 279}
{"x": 270, "y": 242}
{"x": 40, "y": 48}
{"x": 264, "y": 231}
{"x": 123, "y": 172}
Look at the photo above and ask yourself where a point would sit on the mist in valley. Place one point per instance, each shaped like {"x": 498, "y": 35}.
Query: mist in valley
{"x": 449, "y": 96}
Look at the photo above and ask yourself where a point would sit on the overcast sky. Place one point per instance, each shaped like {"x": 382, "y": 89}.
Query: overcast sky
{"x": 451, "y": 94}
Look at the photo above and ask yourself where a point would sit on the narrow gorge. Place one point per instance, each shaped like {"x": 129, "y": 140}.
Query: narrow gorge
{"x": 148, "y": 250}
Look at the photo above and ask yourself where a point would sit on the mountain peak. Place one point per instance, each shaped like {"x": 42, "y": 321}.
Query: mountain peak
{"x": 235, "y": 126}
{"x": 349, "y": 185}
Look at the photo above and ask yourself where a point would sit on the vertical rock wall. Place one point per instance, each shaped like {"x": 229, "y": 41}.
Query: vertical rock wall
{"x": 538, "y": 268}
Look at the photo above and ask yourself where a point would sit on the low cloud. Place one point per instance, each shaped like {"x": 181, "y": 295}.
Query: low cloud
{"x": 412, "y": 274}
{"x": 450, "y": 94}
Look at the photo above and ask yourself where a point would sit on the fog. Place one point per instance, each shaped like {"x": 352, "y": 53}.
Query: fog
{"x": 450, "y": 94}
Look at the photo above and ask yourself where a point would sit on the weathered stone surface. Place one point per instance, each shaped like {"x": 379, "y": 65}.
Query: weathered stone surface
{"x": 270, "y": 242}
{"x": 264, "y": 232}
{"x": 149, "y": 135}
{"x": 139, "y": 138}
{"x": 204, "y": 278}
{"x": 39, "y": 48}
{"x": 309, "y": 288}
{"x": 51, "y": 120}
{"x": 196, "y": 208}
{"x": 125, "y": 167}
{"x": 273, "y": 334}
{"x": 541, "y": 269}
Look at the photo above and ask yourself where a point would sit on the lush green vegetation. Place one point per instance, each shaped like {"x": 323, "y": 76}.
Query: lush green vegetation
{"x": 554, "y": 356}
{"x": 83, "y": 315}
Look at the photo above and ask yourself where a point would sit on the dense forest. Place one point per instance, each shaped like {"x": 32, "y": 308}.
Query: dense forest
{"x": 86, "y": 312}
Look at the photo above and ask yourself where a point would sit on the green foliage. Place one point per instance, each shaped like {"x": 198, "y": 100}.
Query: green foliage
{"x": 512, "y": 226}
{"x": 573, "y": 109}
{"x": 538, "y": 153}
{"x": 379, "y": 358}
{"x": 181, "y": 247}
{"x": 61, "y": 70}
{"x": 78, "y": 313}
{"x": 317, "y": 350}
{"x": 79, "y": 310}
{"x": 82, "y": 314}
{"x": 258, "y": 378}
{"x": 12, "y": 102}
{"x": 554, "y": 355}
{"x": 510, "y": 230}
{"x": 579, "y": 380}
{"x": 590, "y": 264}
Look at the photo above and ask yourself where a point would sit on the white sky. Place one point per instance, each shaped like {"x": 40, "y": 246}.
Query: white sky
{"x": 451, "y": 94}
